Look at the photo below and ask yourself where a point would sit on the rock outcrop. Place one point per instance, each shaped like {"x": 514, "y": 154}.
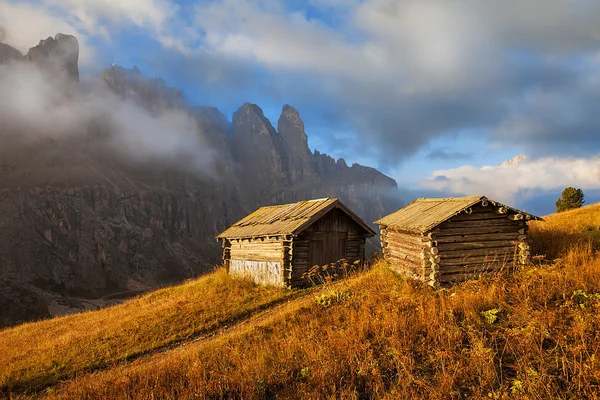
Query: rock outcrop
{"x": 58, "y": 53}
{"x": 80, "y": 223}
{"x": 9, "y": 53}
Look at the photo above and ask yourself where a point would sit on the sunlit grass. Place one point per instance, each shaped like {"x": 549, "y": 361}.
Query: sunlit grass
{"x": 38, "y": 354}
{"x": 531, "y": 333}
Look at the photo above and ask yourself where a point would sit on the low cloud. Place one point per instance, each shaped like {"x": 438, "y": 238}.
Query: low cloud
{"x": 518, "y": 181}
{"x": 398, "y": 74}
{"x": 37, "y": 104}
{"x": 448, "y": 155}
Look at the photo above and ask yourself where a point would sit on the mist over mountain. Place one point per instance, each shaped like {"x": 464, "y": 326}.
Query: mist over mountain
{"x": 116, "y": 183}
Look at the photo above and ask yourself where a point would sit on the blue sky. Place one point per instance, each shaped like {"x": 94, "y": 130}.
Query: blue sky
{"x": 434, "y": 93}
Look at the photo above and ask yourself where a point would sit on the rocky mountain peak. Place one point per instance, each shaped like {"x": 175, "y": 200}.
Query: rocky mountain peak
{"x": 9, "y": 53}
{"x": 86, "y": 222}
{"x": 252, "y": 114}
{"x": 291, "y": 127}
{"x": 151, "y": 93}
{"x": 516, "y": 160}
{"x": 60, "y": 52}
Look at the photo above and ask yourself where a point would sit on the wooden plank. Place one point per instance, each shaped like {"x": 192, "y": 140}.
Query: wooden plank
{"x": 406, "y": 244}
{"x": 478, "y": 252}
{"x": 443, "y": 247}
{"x": 478, "y": 217}
{"x": 301, "y": 255}
{"x": 415, "y": 257}
{"x": 476, "y": 230}
{"x": 407, "y": 265}
{"x": 403, "y": 236}
{"x": 478, "y": 238}
{"x": 470, "y": 269}
{"x": 490, "y": 222}
{"x": 474, "y": 261}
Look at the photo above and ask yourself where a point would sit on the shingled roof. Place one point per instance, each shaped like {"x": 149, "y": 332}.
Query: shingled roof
{"x": 426, "y": 213}
{"x": 287, "y": 219}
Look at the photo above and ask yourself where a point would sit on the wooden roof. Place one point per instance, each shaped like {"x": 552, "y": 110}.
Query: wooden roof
{"x": 287, "y": 219}
{"x": 426, "y": 213}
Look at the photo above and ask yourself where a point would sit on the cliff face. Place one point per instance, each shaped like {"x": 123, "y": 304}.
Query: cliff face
{"x": 80, "y": 223}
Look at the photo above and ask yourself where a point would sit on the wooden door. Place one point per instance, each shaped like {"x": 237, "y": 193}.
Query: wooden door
{"x": 326, "y": 247}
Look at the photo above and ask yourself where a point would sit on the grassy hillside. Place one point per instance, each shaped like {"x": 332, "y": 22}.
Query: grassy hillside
{"x": 529, "y": 334}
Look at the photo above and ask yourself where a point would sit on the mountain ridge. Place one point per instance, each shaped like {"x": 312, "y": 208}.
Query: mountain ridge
{"x": 131, "y": 195}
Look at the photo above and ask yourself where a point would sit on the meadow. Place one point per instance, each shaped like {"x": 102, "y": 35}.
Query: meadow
{"x": 532, "y": 333}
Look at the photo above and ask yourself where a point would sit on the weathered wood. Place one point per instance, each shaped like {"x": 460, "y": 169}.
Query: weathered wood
{"x": 414, "y": 257}
{"x": 477, "y": 230}
{"x": 478, "y": 252}
{"x": 406, "y": 246}
{"x": 405, "y": 266}
{"x": 479, "y": 238}
{"x": 477, "y": 217}
{"x": 443, "y": 247}
{"x": 481, "y": 260}
{"x": 489, "y": 222}
{"x": 397, "y": 237}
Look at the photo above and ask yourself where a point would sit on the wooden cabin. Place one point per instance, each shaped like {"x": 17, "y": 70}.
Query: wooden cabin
{"x": 444, "y": 240}
{"x": 275, "y": 245}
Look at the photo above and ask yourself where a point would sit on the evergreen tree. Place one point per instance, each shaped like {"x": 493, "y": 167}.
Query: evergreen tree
{"x": 570, "y": 198}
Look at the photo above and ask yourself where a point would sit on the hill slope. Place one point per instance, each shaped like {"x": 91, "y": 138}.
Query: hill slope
{"x": 528, "y": 334}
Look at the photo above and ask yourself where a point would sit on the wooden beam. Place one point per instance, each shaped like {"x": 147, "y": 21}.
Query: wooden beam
{"x": 443, "y": 247}
{"x": 480, "y": 237}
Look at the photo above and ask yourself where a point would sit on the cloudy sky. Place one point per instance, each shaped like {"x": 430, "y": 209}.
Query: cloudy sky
{"x": 435, "y": 93}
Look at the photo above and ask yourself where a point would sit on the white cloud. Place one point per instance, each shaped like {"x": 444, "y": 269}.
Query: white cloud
{"x": 505, "y": 182}
{"x": 28, "y": 21}
{"x": 26, "y": 24}
{"x": 39, "y": 104}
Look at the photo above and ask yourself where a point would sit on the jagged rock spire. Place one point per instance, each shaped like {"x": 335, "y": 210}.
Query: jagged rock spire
{"x": 60, "y": 52}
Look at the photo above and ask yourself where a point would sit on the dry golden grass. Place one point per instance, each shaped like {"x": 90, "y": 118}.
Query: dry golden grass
{"x": 531, "y": 334}
{"x": 565, "y": 230}
{"x": 39, "y": 354}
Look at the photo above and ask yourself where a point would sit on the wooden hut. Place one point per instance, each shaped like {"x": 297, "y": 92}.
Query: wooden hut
{"x": 276, "y": 245}
{"x": 443, "y": 240}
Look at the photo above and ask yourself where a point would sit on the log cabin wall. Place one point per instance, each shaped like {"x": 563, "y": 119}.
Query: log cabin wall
{"x": 403, "y": 250}
{"x": 484, "y": 238}
{"x": 261, "y": 259}
{"x": 332, "y": 237}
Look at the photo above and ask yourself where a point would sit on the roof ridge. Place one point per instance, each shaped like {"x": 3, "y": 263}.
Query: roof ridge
{"x": 287, "y": 218}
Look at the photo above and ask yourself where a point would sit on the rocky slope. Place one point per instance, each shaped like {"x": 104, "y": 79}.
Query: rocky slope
{"x": 80, "y": 223}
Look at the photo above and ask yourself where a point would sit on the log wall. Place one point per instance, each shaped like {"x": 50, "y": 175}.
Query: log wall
{"x": 482, "y": 239}
{"x": 261, "y": 259}
{"x": 404, "y": 251}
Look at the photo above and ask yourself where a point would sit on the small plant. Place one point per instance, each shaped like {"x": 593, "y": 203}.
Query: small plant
{"x": 491, "y": 316}
{"x": 305, "y": 372}
{"x": 334, "y": 297}
{"x": 517, "y": 386}
{"x": 584, "y": 299}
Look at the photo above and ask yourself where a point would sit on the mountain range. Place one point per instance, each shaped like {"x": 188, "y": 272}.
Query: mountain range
{"x": 129, "y": 193}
